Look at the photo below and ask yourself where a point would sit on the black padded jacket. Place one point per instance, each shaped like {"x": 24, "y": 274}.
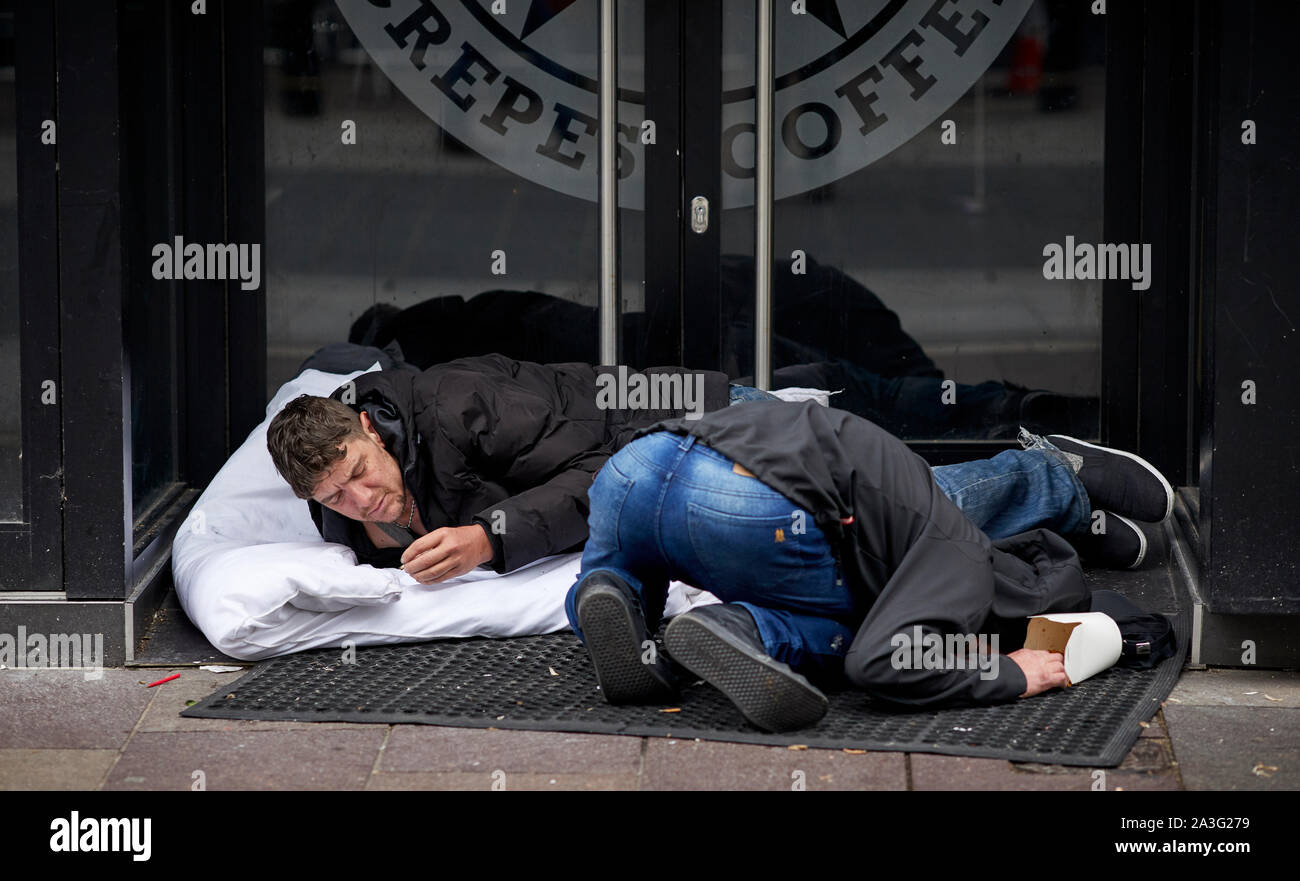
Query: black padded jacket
{"x": 511, "y": 445}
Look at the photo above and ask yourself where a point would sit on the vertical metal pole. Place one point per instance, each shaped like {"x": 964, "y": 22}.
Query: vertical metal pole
{"x": 979, "y": 143}
{"x": 764, "y": 95}
{"x": 609, "y": 268}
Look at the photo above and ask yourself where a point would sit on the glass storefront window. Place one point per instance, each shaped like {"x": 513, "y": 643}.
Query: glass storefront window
{"x": 431, "y": 178}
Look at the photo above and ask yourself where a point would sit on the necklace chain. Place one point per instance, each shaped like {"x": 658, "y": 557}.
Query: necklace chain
{"x": 410, "y": 519}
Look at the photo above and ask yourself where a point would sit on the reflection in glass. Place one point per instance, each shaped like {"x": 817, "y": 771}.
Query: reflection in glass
{"x": 11, "y": 487}
{"x": 415, "y": 209}
{"x": 932, "y": 246}
{"x": 837, "y": 335}
{"x": 150, "y": 305}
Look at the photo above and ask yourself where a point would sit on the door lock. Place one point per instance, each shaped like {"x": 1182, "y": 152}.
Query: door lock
{"x": 699, "y": 214}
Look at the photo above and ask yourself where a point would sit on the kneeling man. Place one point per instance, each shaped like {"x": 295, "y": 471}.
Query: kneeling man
{"x": 827, "y": 540}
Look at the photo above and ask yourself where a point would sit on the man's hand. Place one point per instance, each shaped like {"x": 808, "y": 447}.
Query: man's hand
{"x": 445, "y": 553}
{"x": 1043, "y": 670}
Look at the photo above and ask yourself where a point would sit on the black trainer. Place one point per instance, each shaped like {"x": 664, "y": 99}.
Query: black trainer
{"x": 1123, "y": 545}
{"x": 613, "y": 625}
{"x": 1118, "y": 481}
{"x": 721, "y": 644}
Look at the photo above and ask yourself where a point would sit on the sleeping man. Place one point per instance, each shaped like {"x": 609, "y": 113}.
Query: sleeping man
{"x": 479, "y": 461}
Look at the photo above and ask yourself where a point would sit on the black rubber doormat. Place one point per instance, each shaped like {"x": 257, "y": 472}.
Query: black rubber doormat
{"x": 546, "y": 683}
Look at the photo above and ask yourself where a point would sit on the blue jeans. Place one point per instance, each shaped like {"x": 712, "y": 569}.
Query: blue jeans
{"x": 1015, "y": 491}
{"x": 742, "y": 393}
{"x": 666, "y": 508}
{"x": 1018, "y": 490}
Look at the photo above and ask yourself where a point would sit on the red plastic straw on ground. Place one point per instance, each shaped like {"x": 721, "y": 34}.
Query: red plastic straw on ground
{"x": 166, "y": 679}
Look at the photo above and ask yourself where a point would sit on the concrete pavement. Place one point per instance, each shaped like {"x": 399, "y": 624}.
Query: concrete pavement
{"x": 1220, "y": 729}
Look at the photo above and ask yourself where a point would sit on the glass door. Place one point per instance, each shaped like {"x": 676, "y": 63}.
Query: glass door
{"x": 31, "y": 473}
{"x": 433, "y": 179}
{"x": 926, "y": 156}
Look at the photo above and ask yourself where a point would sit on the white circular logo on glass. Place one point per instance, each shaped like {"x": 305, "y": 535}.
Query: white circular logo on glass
{"x": 515, "y": 80}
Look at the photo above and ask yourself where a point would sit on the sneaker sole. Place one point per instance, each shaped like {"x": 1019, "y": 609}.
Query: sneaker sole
{"x": 1169, "y": 490}
{"x": 1142, "y": 539}
{"x": 611, "y": 630}
{"x": 768, "y": 693}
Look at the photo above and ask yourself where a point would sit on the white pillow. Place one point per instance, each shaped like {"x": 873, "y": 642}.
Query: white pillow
{"x": 249, "y": 547}
{"x": 254, "y": 575}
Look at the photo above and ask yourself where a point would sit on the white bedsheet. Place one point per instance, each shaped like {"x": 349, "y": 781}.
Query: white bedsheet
{"x": 255, "y": 576}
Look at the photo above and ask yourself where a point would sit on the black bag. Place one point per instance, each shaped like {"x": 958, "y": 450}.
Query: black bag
{"x": 1148, "y": 636}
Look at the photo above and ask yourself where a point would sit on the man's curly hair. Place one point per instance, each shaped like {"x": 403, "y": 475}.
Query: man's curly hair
{"x": 304, "y": 439}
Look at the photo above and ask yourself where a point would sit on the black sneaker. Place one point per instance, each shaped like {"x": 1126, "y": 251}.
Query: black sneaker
{"x": 613, "y": 625}
{"x": 1119, "y": 481}
{"x": 721, "y": 644}
{"x": 1122, "y": 546}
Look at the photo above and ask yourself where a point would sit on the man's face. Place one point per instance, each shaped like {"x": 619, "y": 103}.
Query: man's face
{"x": 366, "y": 483}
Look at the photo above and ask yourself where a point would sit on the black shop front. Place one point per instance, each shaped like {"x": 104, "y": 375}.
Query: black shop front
{"x": 1069, "y": 211}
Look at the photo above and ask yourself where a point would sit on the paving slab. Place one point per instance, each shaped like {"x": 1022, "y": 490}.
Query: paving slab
{"x": 1237, "y": 688}
{"x": 314, "y": 759}
{"x": 1117, "y": 782}
{"x": 1151, "y": 755}
{"x": 1155, "y": 726}
{"x": 54, "y": 768}
{"x": 1236, "y": 748}
{"x": 430, "y": 748}
{"x": 672, "y": 763}
{"x": 506, "y": 781}
{"x": 61, "y": 709}
{"x": 935, "y": 772}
